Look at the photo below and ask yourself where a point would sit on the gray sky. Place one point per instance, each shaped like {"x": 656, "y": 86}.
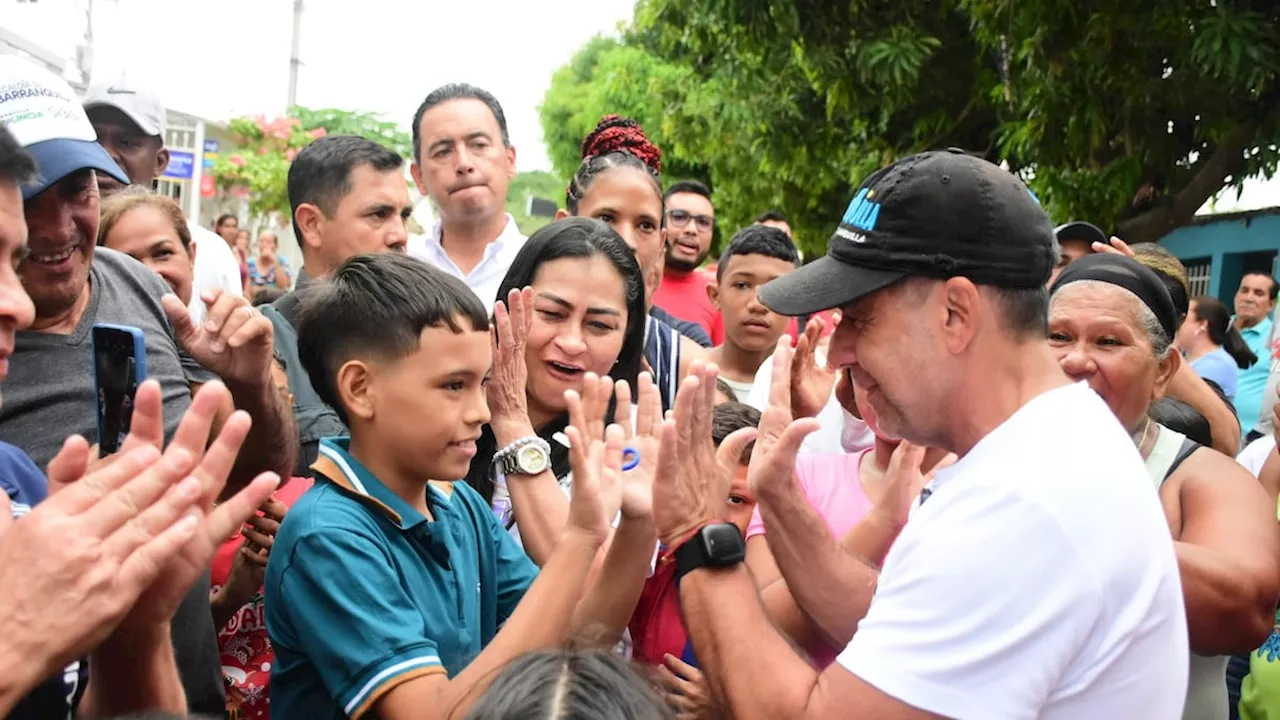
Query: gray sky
{"x": 222, "y": 58}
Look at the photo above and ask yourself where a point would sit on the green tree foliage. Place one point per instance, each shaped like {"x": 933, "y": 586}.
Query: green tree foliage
{"x": 1131, "y": 116}
{"x": 536, "y": 183}
{"x": 267, "y": 147}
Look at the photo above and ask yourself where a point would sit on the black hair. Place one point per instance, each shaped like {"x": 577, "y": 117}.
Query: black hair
{"x": 570, "y": 238}
{"x": 1181, "y": 417}
{"x": 728, "y": 418}
{"x": 225, "y": 217}
{"x": 375, "y": 307}
{"x": 1025, "y": 311}
{"x": 758, "y": 240}
{"x": 457, "y": 91}
{"x": 688, "y": 186}
{"x": 16, "y": 166}
{"x": 1222, "y": 331}
{"x": 569, "y": 685}
{"x": 1275, "y": 289}
{"x": 616, "y": 142}
{"x": 772, "y": 216}
{"x": 723, "y": 388}
{"x": 266, "y": 295}
{"x": 321, "y": 173}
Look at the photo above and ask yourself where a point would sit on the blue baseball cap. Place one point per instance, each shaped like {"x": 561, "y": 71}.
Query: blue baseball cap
{"x": 42, "y": 112}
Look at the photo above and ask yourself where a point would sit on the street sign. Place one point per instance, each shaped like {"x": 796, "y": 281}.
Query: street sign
{"x": 181, "y": 165}
{"x": 211, "y": 146}
{"x": 207, "y": 186}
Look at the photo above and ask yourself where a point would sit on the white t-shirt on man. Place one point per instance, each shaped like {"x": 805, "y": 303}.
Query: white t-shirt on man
{"x": 1038, "y": 580}
{"x": 215, "y": 267}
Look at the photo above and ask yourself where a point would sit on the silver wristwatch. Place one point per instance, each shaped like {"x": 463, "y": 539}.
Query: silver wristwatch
{"x": 526, "y": 456}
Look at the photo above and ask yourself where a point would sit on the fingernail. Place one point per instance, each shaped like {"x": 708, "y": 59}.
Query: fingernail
{"x": 187, "y": 525}
{"x": 208, "y": 325}
{"x": 216, "y": 346}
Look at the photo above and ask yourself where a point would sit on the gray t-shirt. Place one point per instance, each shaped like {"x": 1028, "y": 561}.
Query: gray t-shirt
{"x": 49, "y": 394}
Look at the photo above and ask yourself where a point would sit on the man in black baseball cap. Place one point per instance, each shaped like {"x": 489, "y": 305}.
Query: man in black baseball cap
{"x": 1022, "y": 573}
{"x": 1075, "y": 240}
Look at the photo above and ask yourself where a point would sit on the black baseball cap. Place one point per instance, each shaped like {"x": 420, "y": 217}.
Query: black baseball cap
{"x": 938, "y": 214}
{"x": 1085, "y": 232}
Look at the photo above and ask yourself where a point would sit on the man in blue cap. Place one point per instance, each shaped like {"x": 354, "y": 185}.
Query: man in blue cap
{"x": 73, "y": 284}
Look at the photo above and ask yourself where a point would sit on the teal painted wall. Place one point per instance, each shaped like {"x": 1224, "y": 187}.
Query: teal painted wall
{"x": 1233, "y": 245}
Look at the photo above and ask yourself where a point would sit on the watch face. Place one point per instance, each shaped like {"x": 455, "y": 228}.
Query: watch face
{"x": 531, "y": 459}
{"x": 723, "y": 544}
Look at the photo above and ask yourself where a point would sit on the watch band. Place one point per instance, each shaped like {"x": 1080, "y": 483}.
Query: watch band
{"x": 694, "y": 552}
{"x": 505, "y": 459}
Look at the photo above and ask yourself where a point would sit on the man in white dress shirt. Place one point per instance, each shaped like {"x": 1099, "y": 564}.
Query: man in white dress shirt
{"x": 130, "y": 127}
{"x": 463, "y": 160}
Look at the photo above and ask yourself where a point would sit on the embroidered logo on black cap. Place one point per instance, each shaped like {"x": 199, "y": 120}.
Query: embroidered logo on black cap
{"x": 862, "y": 213}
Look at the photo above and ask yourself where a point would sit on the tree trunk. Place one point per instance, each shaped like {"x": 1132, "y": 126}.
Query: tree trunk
{"x": 1227, "y": 160}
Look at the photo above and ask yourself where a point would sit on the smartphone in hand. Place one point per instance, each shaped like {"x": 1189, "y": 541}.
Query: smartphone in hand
{"x": 119, "y": 367}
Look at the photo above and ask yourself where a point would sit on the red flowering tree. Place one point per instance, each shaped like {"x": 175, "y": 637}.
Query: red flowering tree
{"x": 260, "y": 166}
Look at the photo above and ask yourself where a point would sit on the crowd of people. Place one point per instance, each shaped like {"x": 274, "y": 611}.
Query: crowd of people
{"x": 964, "y": 465}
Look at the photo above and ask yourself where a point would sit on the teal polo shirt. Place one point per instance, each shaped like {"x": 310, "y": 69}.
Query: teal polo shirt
{"x": 363, "y": 593}
{"x": 1252, "y": 381}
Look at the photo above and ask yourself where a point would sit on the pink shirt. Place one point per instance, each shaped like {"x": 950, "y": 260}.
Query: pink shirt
{"x": 833, "y": 485}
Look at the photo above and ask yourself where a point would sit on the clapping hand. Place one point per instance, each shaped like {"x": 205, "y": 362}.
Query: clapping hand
{"x": 203, "y": 472}
{"x": 693, "y": 476}
{"x": 597, "y": 477}
{"x": 773, "y": 459}
{"x": 508, "y": 333}
{"x": 811, "y": 381}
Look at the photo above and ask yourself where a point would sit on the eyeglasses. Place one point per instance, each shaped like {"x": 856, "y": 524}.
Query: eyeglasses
{"x": 680, "y": 218}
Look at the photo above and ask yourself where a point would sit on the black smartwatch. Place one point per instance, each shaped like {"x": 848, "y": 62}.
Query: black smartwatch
{"x": 717, "y": 545}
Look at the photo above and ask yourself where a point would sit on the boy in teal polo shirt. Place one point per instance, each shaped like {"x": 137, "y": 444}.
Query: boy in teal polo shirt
{"x": 388, "y": 583}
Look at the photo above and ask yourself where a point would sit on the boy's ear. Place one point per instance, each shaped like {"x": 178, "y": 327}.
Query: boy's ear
{"x": 713, "y": 294}
{"x": 354, "y": 387}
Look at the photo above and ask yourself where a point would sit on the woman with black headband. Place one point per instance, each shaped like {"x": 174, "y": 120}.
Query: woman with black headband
{"x": 1112, "y": 324}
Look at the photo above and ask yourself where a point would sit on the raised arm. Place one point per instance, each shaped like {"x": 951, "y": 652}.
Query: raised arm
{"x": 236, "y": 343}
{"x": 1228, "y": 547}
{"x": 543, "y": 618}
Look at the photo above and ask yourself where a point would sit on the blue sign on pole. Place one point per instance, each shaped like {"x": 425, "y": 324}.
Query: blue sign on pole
{"x": 211, "y": 146}
{"x": 181, "y": 165}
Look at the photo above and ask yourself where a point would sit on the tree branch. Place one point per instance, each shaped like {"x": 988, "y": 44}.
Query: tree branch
{"x": 1227, "y": 160}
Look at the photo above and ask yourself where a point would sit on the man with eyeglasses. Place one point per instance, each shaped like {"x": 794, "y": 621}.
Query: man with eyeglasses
{"x": 683, "y": 292}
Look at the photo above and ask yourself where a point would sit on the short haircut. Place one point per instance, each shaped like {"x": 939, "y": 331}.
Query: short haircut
{"x": 728, "y": 418}
{"x": 772, "y": 216}
{"x": 687, "y": 186}
{"x": 375, "y": 308}
{"x": 457, "y": 91}
{"x": 138, "y": 196}
{"x": 267, "y": 294}
{"x": 758, "y": 240}
{"x": 321, "y": 174}
{"x": 1025, "y": 311}
{"x": 1275, "y": 289}
{"x": 225, "y": 217}
{"x": 16, "y": 166}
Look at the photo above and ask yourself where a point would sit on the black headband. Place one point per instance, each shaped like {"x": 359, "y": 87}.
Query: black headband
{"x": 1129, "y": 274}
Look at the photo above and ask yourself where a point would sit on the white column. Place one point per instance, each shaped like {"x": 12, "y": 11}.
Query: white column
{"x": 197, "y": 173}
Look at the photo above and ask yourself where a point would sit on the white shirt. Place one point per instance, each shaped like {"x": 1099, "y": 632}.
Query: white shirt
{"x": 838, "y": 431}
{"x": 215, "y": 266}
{"x": 1037, "y": 581}
{"x": 485, "y": 278}
{"x": 1256, "y": 453}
